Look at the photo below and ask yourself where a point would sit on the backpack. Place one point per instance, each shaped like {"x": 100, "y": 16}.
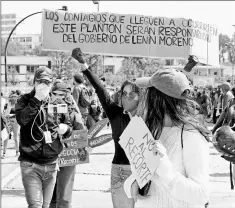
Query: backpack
{"x": 84, "y": 97}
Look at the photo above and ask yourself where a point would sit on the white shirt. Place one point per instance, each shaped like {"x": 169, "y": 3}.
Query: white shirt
{"x": 183, "y": 179}
{"x": 3, "y": 102}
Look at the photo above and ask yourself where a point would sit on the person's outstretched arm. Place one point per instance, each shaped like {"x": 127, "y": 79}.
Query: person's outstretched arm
{"x": 106, "y": 101}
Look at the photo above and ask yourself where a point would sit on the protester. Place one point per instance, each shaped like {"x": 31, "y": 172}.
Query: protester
{"x": 182, "y": 176}
{"x": 205, "y": 103}
{"x": 11, "y": 123}
{"x": 94, "y": 114}
{"x": 227, "y": 94}
{"x": 119, "y": 117}
{"x": 65, "y": 177}
{"x": 82, "y": 96}
{"x": 216, "y": 106}
{"x": 40, "y": 143}
{"x": 3, "y": 130}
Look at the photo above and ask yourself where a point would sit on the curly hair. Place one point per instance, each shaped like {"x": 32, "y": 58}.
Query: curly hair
{"x": 180, "y": 111}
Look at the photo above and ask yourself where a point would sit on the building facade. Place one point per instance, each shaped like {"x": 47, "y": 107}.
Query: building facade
{"x": 21, "y": 68}
{"x": 8, "y": 22}
{"x": 28, "y": 41}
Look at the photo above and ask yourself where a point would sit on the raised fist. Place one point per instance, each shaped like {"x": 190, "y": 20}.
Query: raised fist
{"x": 192, "y": 61}
{"x": 77, "y": 54}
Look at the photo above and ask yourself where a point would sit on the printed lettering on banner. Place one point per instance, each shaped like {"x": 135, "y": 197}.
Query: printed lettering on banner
{"x": 130, "y": 35}
{"x": 137, "y": 142}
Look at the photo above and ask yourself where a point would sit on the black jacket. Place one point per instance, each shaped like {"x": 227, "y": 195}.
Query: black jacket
{"x": 33, "y": 147}
{"x": 118, "y": 119}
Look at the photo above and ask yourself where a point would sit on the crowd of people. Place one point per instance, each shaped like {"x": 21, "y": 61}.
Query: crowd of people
{"x": 212, "y": 101}
{"x": 166, "y": 102}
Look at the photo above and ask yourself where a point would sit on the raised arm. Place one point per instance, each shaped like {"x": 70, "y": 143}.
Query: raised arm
{"x": 107, "y": 103}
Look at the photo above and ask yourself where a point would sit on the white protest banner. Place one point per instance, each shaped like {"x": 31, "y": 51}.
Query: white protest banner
{"x": 137, "y": 142}
{"x": 130, "y": 35}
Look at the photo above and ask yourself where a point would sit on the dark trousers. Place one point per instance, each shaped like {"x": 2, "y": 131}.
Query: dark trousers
{"x": 214, "y": 115}
{"x": 62, "y": 195}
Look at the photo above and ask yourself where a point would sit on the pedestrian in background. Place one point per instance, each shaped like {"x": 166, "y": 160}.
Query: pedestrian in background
{"x": 10, "y": 123}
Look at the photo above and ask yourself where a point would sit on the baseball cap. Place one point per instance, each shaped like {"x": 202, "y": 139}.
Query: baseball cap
{"x": 226, "y": 86}
{"x": 43, "y": 72}
{"x": 61, "y": 88}
{"x": 171, "y": 82}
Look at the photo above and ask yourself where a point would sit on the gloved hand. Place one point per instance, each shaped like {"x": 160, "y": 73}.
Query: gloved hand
{"x": 77, "y": 54}
{"x": 62, "y": 128}
{"x": 42, "y": 91}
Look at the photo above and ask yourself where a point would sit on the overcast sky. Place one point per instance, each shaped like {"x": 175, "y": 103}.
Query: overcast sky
{"x": 219, "y": 13}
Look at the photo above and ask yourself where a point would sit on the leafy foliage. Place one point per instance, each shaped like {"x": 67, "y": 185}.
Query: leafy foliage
{"x": 133, "y": 67}
{"x": 227, "y": 45}
{"x": 13, "y": 49}
{"x": 63, "y": 65}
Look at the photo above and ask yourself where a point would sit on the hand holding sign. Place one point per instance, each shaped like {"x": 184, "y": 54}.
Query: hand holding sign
{"x": 138, "y": 143}
{"x": 159, "y": 149}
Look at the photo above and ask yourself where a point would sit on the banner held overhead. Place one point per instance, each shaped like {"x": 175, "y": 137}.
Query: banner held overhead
{"x": 130, "y": 35}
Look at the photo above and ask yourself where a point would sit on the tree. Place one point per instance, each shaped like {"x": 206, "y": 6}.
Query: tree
{"x": 13, "y": 76}
{"x": 63, "y": 65}
{"x": 226, "y": 46}
{"x": 13, "y": 49}
{"x": 133, "y": 67}
{"x": 37, "y": 51}
{"x": 231, "y": 50}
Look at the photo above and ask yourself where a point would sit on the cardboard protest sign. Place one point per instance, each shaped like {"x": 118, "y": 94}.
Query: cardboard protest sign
{"x": 75, "y": 153}
{"x": 137, "y": 142}
{"x": 94, "y": 141}
{"x": 130, "y": 35}
{"x": 96, "y": 128}
{"x": 99, "y": 140}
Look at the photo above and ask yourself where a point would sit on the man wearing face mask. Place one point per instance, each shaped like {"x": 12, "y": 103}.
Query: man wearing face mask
{"x": 40, "y": 145}
{"x": 119, "y": 117}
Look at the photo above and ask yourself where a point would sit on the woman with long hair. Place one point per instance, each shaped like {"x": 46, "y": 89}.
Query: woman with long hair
{"x": 182, "y": 175}
{"x": 119, "y": 117}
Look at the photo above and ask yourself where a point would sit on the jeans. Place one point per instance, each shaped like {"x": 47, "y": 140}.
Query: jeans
{"x": 64, "y": 187}
{"x": 119, "y": 173}
{"x": 38, "y": 181}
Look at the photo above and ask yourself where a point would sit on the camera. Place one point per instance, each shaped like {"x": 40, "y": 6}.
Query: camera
{"x": 58, "y": 108}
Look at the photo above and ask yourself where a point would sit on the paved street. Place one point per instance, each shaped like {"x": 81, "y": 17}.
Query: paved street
{"x": 92, "y": 181}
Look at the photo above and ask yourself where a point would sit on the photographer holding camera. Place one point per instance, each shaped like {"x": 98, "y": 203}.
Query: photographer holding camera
{"x": 40, "y": 144}
{"x": 62, "y": 196}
